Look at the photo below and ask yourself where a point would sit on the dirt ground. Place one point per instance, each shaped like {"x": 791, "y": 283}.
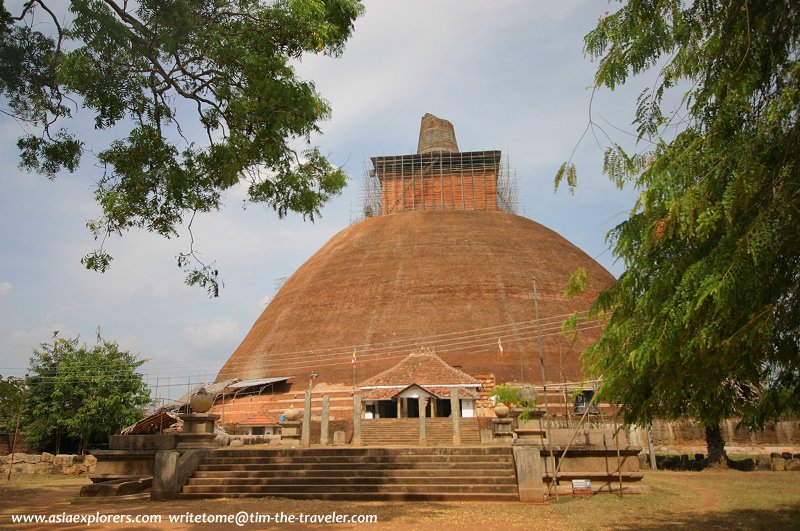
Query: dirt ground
{"x": 712, "y": 499}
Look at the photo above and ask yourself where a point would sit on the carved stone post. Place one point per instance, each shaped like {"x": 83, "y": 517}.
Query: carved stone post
{"x": 326, "y": 410}
{"x": 357, "y": 420}
{"x": 528, "y": 464}
{"x": 423, "y": 437}
{"x": 455, "y": 414}
{"x": 305, "y": 436}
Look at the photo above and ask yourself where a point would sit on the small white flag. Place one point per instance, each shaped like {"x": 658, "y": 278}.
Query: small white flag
{"x": 354, "y": 358}
{"x": 500, "y": 345}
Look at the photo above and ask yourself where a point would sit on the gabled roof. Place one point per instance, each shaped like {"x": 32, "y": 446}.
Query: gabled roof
{"x": 423, "y": 368}
{"x": 438, "y": 392}
{"x": 398, "y": 391}
{"x": 388, "y": 393}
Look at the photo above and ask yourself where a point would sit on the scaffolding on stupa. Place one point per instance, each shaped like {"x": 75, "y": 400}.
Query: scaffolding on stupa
{"x": 474, "y": 180}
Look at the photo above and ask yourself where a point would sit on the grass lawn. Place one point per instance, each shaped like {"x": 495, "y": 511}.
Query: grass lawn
{"x": 707, "y": 500}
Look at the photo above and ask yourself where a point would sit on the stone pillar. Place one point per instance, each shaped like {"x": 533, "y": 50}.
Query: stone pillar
{"x": 528, "y": 464}
{"x": 455, "y": 414}
{"x": 423, "y": 437}
{"x": 399, "y": 408}
{"x": 357, "y": 420}
{"x": 305, "y": 436}
{"x": 165, "y": 481}
{"x": 326, "y": 410}
{"x": 501, "y": 429}
{"x": 172, "y": 469}
{"x": 198, "y": 431}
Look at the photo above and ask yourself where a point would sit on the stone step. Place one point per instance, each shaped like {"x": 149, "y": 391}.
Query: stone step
{"x": 438, "y": 432}
{"x": 357, "y": 451}
{"x": 370, "y": 496}
{"x": 345, "y": 481}
{"x": 311, "y": 459}
{"x": 414, "y": 438}
{"x": 408, "y": 488}
{"x": 358, "y": 473}
{"x": 355, "y": 466}
{"x": 365, "y": 472}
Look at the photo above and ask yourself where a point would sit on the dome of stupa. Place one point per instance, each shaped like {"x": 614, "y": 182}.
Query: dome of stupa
{"x": 457, "y": 281}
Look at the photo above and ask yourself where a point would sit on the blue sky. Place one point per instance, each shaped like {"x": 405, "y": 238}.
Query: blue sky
{"x": 510, "y": 75}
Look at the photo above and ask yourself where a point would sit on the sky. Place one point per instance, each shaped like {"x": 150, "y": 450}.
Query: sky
{"x": 509, "y": 75}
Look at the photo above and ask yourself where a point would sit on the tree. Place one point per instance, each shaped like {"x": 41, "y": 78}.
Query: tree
{"x": 12, "y": 393}
{"x": 143, "y": 67}
{"x": 82, "y": 392}
{"x": 705, "y": 321}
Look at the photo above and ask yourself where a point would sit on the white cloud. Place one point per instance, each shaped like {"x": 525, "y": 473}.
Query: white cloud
{"x": 210, "y": 334}
{"x": 18, "y": 343}
{"x": 5, "y": 287}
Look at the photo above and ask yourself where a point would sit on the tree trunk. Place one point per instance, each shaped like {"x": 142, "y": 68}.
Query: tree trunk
{"x": 716, "y": 447}
{"x": 58, "y": 442}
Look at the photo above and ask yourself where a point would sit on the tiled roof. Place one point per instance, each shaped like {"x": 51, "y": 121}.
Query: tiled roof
{"x": 423, "y": 368}
{"x": 262, "y": 418}
{"x": 444, "y": 392}
{"x": 381, "y": 394}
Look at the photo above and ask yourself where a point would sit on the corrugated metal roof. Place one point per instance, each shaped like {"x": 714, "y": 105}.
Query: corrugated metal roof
{"x": 256, "y": 383}
{"x": 213, "y": 390}
{"x": 155, "y": 423}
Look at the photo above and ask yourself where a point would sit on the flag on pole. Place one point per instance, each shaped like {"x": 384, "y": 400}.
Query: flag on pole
{"x": 354, "y": 358}
{"x": 500, "y": 345}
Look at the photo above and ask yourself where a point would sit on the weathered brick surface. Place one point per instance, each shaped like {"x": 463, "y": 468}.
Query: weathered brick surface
{"x": 393, "y": 279}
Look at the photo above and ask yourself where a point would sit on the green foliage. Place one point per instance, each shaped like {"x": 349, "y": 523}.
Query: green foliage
{"x": 146, "y": 64}
{"x": 12, "y": 394}
{"x": 521, "y": 397}
{"x": 706, "y": 319}
{"x": 567, "y": 171}
{"x": 81, "y": 391}
{"x": 576, "y": 285}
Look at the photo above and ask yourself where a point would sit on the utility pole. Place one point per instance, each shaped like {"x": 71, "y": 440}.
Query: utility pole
{"x": 16, "y": 430}
{"x": 539, "y": 334}
{"x": 544, "y": 385}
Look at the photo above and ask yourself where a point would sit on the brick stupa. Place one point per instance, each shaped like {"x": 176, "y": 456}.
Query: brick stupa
{"x": 440, "y": 266}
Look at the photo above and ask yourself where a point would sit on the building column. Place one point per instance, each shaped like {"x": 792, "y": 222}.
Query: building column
{"x": 455, "y": 414}
{"x": 357, "y": 420}
{"x": 326, "y": 410}
{"x": 423, "y": 437}
{"x": 305, "y": 436}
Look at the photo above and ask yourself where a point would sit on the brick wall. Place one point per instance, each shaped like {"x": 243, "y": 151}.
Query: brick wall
{"x": 466, "y": 190}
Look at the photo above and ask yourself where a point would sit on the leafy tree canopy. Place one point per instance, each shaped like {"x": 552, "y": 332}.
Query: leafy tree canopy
{"x": 81, "y": 391}
{"x": 227, "y": 61}
{"x": 705, "y": 321}
{"x": 12, "y": 393}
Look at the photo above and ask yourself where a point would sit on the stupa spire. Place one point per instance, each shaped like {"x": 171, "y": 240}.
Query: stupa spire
{"x": 436, "y": 134}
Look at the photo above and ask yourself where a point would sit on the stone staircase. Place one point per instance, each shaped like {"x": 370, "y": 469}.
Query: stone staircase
{"x": 358, "y": 473}
{"x": 438, "y": 431}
